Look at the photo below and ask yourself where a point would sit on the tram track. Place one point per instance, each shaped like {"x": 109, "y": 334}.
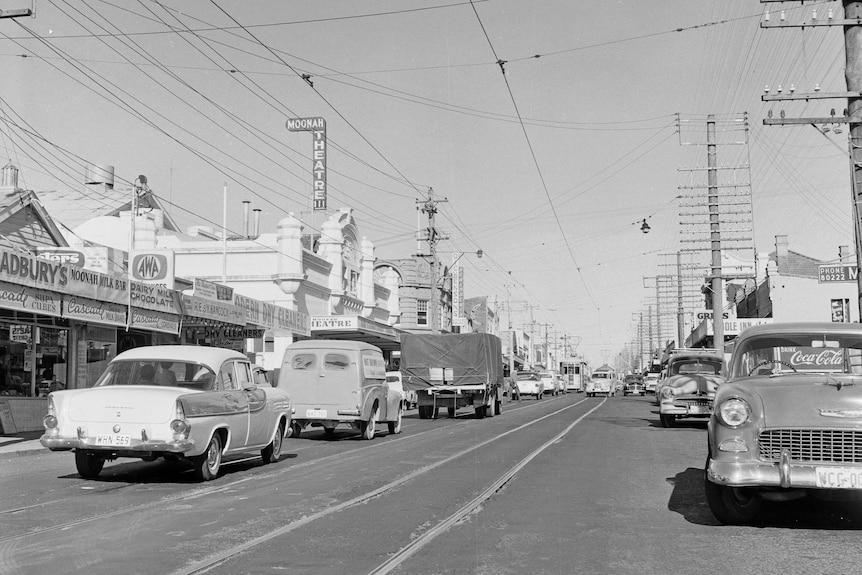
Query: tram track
{"x": 203, "y": 491}
{"x": 226, "y": 556}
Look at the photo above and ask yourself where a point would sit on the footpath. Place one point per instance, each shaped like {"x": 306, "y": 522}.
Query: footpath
{"x": 24, "y": 443}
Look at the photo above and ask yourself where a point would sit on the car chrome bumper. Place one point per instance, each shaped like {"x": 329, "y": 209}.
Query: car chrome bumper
{"x": 685, "y": 410}
{"x": 760, "y": 474}
{"x": 59, "y": 443}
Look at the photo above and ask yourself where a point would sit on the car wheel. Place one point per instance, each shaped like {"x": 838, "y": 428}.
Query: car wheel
{"x": 370, "y": 426}
{"x": 667, "y": 420}
{"x": 395, "y": 426}
{"x": 272, "y": 452}
{"x": 89, "y": 465}
{"x": 731, "y": 505}
{"x": 207, "y": 464}
{"x": 297, "y": 429}
{"x": 424, "y": 412}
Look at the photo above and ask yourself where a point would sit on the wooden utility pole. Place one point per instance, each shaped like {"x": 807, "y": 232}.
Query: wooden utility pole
{"x": 852, "y": 24}
{"x": 714, "y": 238}
{"x": 429, "y": 207}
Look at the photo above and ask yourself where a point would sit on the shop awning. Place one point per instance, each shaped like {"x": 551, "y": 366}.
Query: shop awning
{"x": 356, "y": 328}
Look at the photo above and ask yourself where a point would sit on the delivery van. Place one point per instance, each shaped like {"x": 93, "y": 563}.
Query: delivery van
{"x": 339, "y": 382}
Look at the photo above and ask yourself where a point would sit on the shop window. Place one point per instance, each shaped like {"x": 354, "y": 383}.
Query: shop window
{"x": 422, "y": 312}
{"x": 269, "y": 344}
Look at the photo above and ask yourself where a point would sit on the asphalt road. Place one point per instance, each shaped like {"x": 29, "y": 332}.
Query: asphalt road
{"x": 562, "y": 485}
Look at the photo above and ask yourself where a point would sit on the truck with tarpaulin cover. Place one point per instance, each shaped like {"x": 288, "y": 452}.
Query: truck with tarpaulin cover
{"x": 453, "y": 370}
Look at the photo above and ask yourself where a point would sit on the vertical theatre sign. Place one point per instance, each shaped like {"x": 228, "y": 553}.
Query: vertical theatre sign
{"x": 317, "y": 127}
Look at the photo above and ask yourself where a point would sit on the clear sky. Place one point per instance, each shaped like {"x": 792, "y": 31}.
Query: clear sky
{"x": 597, "y": 125}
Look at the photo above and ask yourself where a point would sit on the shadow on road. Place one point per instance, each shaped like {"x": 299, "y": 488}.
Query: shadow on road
{"x": 689, "y": 500}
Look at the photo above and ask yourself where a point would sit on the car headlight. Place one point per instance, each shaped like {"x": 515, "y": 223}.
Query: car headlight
{"x": 667, "y": 392}
{"x": 734, "y": 412}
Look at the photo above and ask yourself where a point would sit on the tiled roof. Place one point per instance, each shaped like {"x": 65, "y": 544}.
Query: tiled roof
{"x": 796, "y": 264}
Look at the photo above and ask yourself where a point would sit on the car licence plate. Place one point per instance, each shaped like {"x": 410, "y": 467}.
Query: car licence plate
{"x": 318, "y": 413}
{"x": 838, "y": 477}
{"x": 114, "y": 440}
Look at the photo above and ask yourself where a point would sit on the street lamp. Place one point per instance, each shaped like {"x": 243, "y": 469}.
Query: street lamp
{"x": 645, "y": 227}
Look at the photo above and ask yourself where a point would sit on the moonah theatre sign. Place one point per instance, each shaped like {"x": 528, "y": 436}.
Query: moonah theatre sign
{"x": 317, "y": 127}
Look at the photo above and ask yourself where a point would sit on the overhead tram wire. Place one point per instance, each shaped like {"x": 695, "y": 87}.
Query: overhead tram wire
{"x": 251, "y": 129}
{"x": 419, "y": 194}
{"x": 532, "y": 152}
{"x": 371, "y": 210}
{"x": 218, "y": 166}
{"x": 275, "y": 103}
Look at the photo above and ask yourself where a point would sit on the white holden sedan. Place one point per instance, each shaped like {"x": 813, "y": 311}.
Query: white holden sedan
{"x": 174, "y": 401}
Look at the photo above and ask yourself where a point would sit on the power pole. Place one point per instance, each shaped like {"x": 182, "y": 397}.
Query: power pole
{"x": 852, "y": 24}
{"x": 429, "y": 207}
{"x": 714, "y": 238}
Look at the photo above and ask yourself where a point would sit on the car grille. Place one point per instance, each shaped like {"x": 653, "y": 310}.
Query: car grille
{"x": 700, "y": 402}
{"x": 814, "y": 445}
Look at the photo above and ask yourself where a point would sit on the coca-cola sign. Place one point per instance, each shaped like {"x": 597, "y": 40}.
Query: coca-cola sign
{"x": 813, "y": 358}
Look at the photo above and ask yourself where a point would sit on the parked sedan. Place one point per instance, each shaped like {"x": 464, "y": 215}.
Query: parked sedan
{"x": 688, "y": 390}
{"x": 178, "y": 402}
{"x": 529, "y": 383}
{"x": 550, "y": 383}
{"x": 787, "y": 423}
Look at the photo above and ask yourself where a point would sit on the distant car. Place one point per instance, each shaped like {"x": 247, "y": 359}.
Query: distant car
{"x": 602, "y": 382}
{"x": 650, "y": 381}
{"x": 688, "y": 391}
{"x": 395, "y": 381}
{"x": 787, "y": 422}
{"x": 633, "y": 385}
{"x": 212, "y": 407}
{"x": 550, "y": 383}
{"x": 529, "y": 383}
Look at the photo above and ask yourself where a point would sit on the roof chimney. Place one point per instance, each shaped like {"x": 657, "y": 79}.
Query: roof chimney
{"x": 844, "y": 253}
{"x": 780, "y": 246}
{"x": 245, "y": 204}
{"x": 9, "y": 179}
{"x": 256, "y": 222}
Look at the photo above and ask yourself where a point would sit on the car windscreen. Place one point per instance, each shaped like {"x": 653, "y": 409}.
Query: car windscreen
{"x": 803, "y": 352}
{"x": 703, "y": 367}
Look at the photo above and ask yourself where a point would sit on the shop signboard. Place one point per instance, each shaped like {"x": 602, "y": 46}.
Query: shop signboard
{"x": 20, "y": 333}
{"x": 154, "y": 267}
{"x": 837, "y": 273}
{"x": 29, "y": 299}
{"x": 273, "y": 317}
{"x": 317, "y": 127}
{"x": 84, "y": 309}
{"x": 212, "y": 291}
{"x": 155, "y": 321}
{"x": 214, "y": 310}
{"x": 156, "y": 298}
